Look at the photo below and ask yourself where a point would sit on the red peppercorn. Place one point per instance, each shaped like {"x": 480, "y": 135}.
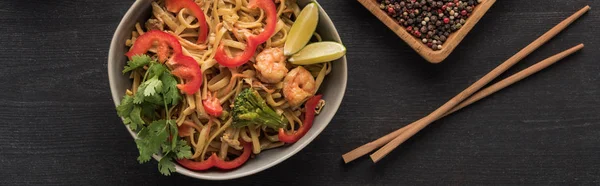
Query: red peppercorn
{"x": 409, "y": 28}
{"x": 463, "y": 12}
{"x": 440, "y": 11}
{"x": 444, "y": 7}
{"x": 429, "y": 44}
{"x": 417, "y": 33}
{"x": 391, "y": 10}
{"x": 450, "y": 4}
{"x": 446, "y": 20}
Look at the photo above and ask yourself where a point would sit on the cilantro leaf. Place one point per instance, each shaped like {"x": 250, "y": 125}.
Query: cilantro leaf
{"x": 125, "y": 107}
{"x": 155, "y": 99}
{"x": 142, "y": 133}
{"x": 166, "y": 165}
{"x": 147, "y": 88}
{"x": 170, "y": 90}
{"x": 148, "y": 110}
{"x": 183, "y": 150}
{"x": 137, "y": 61}
{"x": 156, "y": 69}
{"x": 136, "y": 118}
{"x": 130, "y": 113}
{"x": 153, "y": 85}
{"x": 165, "y": 147}
{"x": 127, "y": 121}
{"x": 151, "y": 142}
{"x": 138, "y": 97}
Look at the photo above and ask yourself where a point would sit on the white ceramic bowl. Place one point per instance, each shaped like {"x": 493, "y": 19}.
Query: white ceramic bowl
{"x": 333, "y": 91}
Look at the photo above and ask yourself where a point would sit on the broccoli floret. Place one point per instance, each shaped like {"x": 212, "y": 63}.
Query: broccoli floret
{"x": 250, "y": 108}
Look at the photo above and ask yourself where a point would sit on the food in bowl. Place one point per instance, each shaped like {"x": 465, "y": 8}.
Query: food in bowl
{"x": 212, "y": 85}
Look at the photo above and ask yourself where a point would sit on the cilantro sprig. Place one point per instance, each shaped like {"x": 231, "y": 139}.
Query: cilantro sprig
{"x": 156, "y": 93}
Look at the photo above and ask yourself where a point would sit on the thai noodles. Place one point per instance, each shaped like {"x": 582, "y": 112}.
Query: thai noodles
{"x": 253, "y": 106}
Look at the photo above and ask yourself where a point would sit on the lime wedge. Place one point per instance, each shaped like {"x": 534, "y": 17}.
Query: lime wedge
{"x": 302, "y": 30}
{"x": 318, "y": 52}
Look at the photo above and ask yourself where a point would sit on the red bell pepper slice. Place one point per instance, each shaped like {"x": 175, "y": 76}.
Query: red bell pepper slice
{"x": 252, "y": 41}
{"x": 215, "y": 161}
{"x": 199, "y": 165}
{"x": 212, "y": 105}
{"x": 237, "y": 162}
{"x": 176, "y": 5}
{"x": 144, "y": 42}
{"x": 187, "y": 68}
{"x": 309, "y": 116}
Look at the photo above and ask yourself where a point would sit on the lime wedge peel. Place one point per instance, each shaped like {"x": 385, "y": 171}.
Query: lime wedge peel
{"x": 318, "y": 52}
{"x": 302, "y": 29}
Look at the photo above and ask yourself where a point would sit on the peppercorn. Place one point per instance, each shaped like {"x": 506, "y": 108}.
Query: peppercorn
{"x": 431, "y": 27}
{"x": 431, "y": 21}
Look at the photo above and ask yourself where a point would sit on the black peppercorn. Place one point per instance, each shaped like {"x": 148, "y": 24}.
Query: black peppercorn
{"x": 442, "y": 38}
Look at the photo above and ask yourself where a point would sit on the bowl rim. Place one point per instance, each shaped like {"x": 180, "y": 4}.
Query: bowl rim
{"x": 114, "y": 49}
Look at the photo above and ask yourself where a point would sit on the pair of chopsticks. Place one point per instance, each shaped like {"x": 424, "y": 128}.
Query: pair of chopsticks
{"x": 394, "y": 139}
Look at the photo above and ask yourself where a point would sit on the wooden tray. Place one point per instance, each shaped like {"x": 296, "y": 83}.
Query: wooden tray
{"x": 428, "y": 53}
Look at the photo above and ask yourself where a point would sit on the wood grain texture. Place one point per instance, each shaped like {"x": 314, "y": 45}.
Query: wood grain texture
{"x": 60, "y": 128}
{"x": 489, "y": 77}
{"x": 433, "y": 56}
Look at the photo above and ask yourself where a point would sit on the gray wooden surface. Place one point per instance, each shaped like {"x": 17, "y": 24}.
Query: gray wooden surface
{"x": 59, "y": 126}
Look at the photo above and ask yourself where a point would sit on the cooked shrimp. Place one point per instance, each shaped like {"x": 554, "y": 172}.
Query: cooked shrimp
{"x": 298, "y": 85}
{"x": 270, "y": 65}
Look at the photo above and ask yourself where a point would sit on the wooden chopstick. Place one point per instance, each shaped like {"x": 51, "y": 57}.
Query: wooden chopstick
{"x": 386, "y": 149}
{"x": 358, "y": 152}
{"x": 494, "y": 88}
{"x": 440, "y": 112}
